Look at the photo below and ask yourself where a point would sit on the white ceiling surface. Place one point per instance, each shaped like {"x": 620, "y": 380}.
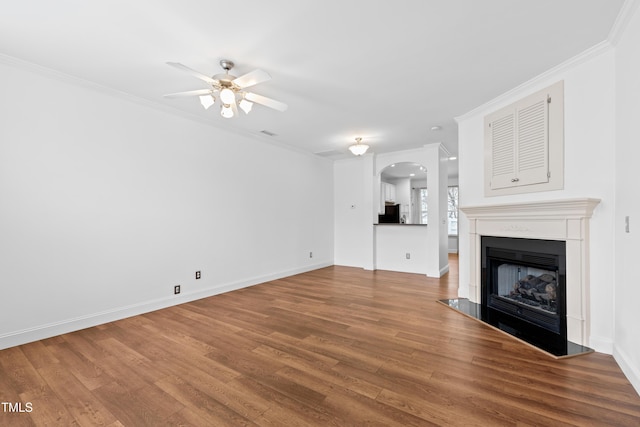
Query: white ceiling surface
{"x": 404, "y": 170}
{"x": 385, "y": 71}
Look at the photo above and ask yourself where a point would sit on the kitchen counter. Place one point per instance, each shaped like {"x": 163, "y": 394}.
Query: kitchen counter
{"x": 395, "y": 223}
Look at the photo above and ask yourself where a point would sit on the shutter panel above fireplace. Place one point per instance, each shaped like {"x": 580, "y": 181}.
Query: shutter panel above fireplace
{"x": 502, "y": 150}
{"x": 532, "y": 148}
{"x": 524, "y": 144}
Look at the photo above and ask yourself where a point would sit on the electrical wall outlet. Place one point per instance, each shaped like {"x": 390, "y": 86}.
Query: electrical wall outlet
{"x": 176, "y": 289}
{"x": 198, "y": 275}
{"x": 310, "y": 254}
{"x": 408, "y": 255}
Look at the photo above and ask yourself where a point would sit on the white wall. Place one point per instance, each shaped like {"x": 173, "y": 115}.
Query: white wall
{"x": 443, "y": 207}
{"x": 627, "y": 174}
{"x": 394, "y": 242}
{"x": 108, "y": 203}
{"x": 357, "y": 183}
{"x": 589, "y": 172}
{"x": 350, "y": 212}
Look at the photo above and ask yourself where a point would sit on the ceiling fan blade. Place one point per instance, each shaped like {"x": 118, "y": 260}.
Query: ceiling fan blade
{"x": 267, "y": 102}
{"x": 234, "y": 108}
{"x": 189, "y": 93}
{"x": 251, "y": 78}
{"x": 191, "y": 71}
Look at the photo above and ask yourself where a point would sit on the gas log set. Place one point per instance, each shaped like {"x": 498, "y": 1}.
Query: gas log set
{"x": 536, "y": 291}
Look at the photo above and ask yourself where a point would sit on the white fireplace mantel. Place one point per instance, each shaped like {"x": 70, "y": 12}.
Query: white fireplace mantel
{"x": 566, "y": 220}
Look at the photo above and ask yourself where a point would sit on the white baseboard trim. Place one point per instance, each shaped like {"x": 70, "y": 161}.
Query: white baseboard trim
{"x": 444, "y": 270}
{"x": 631, "y": 372}
{"x": 463, "y": 292}
{"x": 601, "y": 345}
{"x": 53, "y": 329}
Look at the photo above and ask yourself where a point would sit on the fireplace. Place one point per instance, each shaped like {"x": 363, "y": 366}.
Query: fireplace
{"x": 523, "y": 288}
{"x": 564, "y": 221}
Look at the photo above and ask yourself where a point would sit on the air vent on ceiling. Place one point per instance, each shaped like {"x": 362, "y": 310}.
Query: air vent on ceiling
{"x": 329, "y": 153}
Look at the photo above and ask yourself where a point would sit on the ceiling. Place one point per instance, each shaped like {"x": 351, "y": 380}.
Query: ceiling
{"x": 411, "y": 170}
{"x": 384, "y": 71}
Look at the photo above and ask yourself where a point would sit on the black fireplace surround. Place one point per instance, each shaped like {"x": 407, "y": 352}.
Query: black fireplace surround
{"x": 523, "y": 289}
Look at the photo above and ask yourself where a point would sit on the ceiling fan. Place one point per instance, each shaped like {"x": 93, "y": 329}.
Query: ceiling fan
{"x": 229, "y": 90}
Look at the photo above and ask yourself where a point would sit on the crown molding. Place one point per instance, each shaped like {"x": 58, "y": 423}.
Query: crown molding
{"x": 87, "y": 84}
{"x": 539, "y": 81}
{"x": 627, "y": 12}
{"x": 45, "y": 72}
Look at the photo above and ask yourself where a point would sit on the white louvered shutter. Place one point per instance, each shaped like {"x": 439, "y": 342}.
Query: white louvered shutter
{"x": 503, "y": 146}
{"x": 524, "y": 144}
{"x": 532, "y": 148}
{"x": 519, "y": 143}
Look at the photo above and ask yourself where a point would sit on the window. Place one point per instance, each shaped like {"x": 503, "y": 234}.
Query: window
{"x": 452, "y": 209}
{"x": 423, "y": 206}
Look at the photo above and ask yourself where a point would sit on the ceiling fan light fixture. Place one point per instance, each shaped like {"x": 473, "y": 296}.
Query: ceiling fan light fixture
{"x": 226, "y": 111}
{"x": 229, "y": 89}
{"x": 207, "y": 101}
{"x": 245, "y": 105}
{"x": 227, "y": 96}
{"x": 358, "y": 148}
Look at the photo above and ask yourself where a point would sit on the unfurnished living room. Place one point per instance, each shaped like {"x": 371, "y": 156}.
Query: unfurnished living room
{"x": 279, "y": 213}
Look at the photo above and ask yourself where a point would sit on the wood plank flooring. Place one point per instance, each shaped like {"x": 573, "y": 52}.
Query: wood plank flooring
{"x": 338, "y": 346}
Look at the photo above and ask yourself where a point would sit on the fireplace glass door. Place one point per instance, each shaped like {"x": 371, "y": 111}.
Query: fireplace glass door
{"x": 529, "y": 292}
{"x": 524, "y": 284}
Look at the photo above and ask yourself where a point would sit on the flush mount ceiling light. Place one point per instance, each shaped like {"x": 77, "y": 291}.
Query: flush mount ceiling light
{"x": 358, "y": 149}
{"x": 230, "y": 90}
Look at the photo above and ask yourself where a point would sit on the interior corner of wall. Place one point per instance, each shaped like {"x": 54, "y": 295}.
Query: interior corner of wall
{"x": 601, "y": 344}
{"x": 625, "y": 362}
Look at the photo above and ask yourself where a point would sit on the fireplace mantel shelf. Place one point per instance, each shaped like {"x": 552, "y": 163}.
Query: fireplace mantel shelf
{"x": 564, "y": 208}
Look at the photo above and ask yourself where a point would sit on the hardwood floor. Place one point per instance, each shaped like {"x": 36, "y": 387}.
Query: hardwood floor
{"x": 337, "y": 346}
